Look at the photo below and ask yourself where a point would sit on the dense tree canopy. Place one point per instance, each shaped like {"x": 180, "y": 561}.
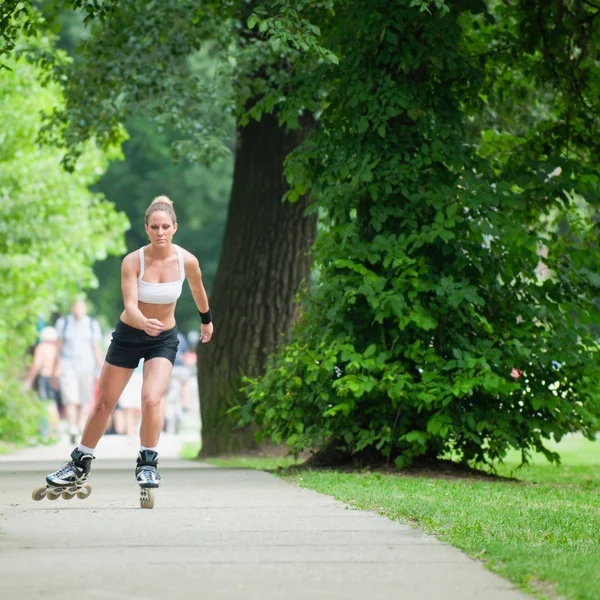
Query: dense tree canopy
{"x": 53, "y": 228}
{"x": 450, "y": 148}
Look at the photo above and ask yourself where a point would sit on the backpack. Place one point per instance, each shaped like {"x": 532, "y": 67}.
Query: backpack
{"x": 68, "y": 320}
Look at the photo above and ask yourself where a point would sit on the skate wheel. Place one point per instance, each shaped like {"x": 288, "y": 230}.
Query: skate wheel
{"x": 52, "y": 495}
{"x": 146, "y": 498}
{"x": 68, "y": 495}
{"x": 84, "y": 492}
{"x": 39, "y": 493}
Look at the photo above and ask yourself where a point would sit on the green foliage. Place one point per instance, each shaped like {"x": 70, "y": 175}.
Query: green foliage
{"x": 429, "y": 290}
{"x": 20, "y": 413}
{"x": 52, "y": 229}
{"x": 16, "y": 18}
{"x": 288, "y": 27}
{"x": 147, "y": 60}
{"x": 190, "y": 68}
{"x": 20, "y": 18}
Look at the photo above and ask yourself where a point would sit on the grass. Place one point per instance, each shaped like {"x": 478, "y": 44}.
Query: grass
{"x": 190, "y": 451}
{"x": 580, "y": 464}
{"x": 541, "y": 531}
{"x": 262, "y": 463}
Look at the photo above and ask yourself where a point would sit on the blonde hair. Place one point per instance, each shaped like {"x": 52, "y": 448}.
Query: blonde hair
{"x": 164, "y": 204}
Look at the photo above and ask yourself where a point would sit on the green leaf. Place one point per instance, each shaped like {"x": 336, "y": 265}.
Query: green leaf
{"x": 252, "y": 20}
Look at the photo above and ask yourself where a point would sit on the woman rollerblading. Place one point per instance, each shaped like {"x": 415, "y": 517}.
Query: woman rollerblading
{"x": 151, "y": 279}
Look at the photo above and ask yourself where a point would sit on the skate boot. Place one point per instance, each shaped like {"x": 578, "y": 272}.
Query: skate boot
{"x": 147, "y": 476}
{"x": 69, "y": 480}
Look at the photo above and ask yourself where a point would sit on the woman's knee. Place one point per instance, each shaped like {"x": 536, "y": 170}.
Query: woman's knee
{"x": 151, "y": 400}
{"x": 104, "y": 403}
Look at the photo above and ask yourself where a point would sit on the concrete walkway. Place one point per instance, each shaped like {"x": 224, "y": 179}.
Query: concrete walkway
{"x": 213, "y": 534}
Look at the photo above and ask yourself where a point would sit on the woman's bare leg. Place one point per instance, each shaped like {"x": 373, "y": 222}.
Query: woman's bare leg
{"x": 157, "y": 372}
{"x": 110, "y": 387}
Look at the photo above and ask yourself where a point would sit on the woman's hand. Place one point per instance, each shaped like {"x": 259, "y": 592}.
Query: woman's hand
{"x": 153, "y": 327}
{"x": 206, "y": 332}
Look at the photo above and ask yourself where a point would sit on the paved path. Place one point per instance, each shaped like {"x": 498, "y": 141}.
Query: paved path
{"x": 213, "y": 534}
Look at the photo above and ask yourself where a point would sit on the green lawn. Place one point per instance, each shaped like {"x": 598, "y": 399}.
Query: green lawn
{"x": 190, "y": 450}
{"x": 542, "y": 531}
{"x": 580, "y": 465}
{"x": 262, "y": 463}
{"x": 253, "y": 462}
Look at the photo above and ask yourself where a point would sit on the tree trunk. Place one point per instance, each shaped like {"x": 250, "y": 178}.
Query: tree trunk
{"x": 265, "y": 258}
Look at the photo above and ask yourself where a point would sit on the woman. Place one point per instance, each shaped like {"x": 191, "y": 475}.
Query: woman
{"x": 151, "y": 280}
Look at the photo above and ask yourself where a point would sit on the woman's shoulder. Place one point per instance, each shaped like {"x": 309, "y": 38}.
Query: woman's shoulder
{"x": 131, "y": 262}
{"x": 188, "y": 257}
{"x": 132, "y": 256}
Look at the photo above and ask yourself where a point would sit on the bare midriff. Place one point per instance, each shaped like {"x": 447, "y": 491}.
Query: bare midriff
{"x": 165, "y": 313}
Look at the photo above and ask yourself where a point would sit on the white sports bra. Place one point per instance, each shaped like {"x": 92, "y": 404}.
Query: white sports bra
{"x": 160, "y": 293}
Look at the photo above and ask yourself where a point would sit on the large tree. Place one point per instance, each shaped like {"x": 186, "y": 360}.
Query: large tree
{"x": 264, "y": 260}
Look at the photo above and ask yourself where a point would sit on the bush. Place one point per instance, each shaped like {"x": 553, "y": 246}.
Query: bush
{"x": 21, "y": 414}
{"x": 430, "y": 290}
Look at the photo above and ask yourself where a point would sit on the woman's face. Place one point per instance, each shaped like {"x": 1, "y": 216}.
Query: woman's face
{"x": 160, "y": 228}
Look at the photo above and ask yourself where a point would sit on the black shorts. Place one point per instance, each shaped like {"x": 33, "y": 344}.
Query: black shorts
{"x": 129, "y": 345}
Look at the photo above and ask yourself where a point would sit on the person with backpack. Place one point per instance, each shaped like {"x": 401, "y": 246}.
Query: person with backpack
{"x": 79, "y": 357}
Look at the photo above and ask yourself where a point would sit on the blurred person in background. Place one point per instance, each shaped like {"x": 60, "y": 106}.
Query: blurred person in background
{"x": 116, "y": 422}
{"x": 79, "y": 358}
{"x": 130, "y": 401}
{"x": 191, "y": 360}
{"x": 173, "y": 403}
{"x": 44, "y": 358}
{"x": 181, "y": 371}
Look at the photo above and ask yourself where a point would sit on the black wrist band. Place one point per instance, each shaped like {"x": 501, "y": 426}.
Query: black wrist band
{"x": 206, "y": 317}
